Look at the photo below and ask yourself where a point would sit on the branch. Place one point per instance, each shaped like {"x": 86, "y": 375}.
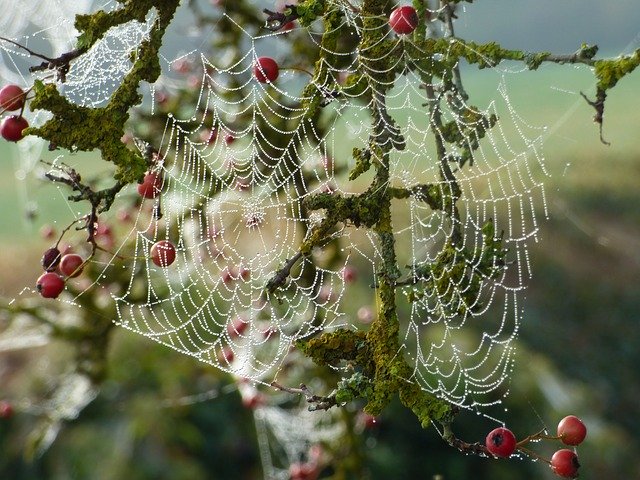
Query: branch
{"x": 317, "y": 402}
{"x": 277, "y": 20}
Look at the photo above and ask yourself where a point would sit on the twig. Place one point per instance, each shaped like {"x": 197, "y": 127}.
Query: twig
{"x": 317, "y": 402}
{"x": 281, "y": 275}
{"x": 598, "y": 105}
{"x": 277, "y": 20}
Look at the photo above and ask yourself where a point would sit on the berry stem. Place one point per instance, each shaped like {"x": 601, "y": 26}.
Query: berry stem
{"x": 531, "y": 453}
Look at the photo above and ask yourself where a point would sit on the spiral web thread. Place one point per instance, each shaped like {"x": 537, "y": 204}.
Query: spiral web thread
{"x": 235, "y": 212}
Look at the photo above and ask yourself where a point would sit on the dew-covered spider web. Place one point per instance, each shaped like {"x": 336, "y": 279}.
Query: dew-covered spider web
{"x": 240, "y": 161}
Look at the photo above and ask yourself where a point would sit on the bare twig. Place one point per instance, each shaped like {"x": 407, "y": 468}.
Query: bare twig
{"x": 277, "y": 20}
{"x": 317, "y": 402}
{"x": 598, "y": 105}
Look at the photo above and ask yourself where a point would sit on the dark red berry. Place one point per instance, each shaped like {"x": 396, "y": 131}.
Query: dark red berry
{"x": 6, "y": 409}
{"x": 11, "y": 128}
{"x": 266, "y": 69}
{"x": 163, "y": 253}
{"x": 571, "y": 430}
{"x": 404, "y": 20}
{"x": 564, "y": 463}
{"x": 51, "y": 259}
{"x": 501, "y": 442}
{"x": 11, "y": 98}
{"x": 50, "y": 285}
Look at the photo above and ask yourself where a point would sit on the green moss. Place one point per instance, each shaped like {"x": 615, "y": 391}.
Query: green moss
{"x": 610, "y": 72}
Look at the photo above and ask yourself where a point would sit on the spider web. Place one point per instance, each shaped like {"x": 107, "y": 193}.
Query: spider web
{"x": 234, "y": 206}
{"x": 236, "y": 172}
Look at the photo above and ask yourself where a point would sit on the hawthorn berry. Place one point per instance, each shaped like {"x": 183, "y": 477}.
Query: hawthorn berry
{"x": 571, "y": 430}
{"x": 501, "y": 442}
{"x": 253, "y": 400}
{"x": 226, "y": 355}
{"x": 303, "y": 471}
{"x": 237, "y": 326}
{"x": 71, "y": 265}
{"x": 245, "y": 273}
{"x": 150, "y": 186}
{"x": 12, "y": 98}
{"x": 404, "y": 20}
{"x": 349, "y": 274}
{"x": 12, "y": 127}
{"x": 163, "y": 253}
{"x": 50, "y": 285}
{"x": 51, "y": 259}
{"x": 266, "y": 69}
{"x": 564, "y": 463}
{"x": 6, "y": 409}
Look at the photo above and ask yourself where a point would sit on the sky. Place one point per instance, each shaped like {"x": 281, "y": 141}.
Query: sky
{"x": 560, "y": 26}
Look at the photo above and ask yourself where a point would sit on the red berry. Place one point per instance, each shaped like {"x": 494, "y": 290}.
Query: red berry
{"x": 572, "y": 430}
{"x": 237, "y": 326}
{"x": 150, "y": 186}
{"x": 11, "y": 98}
{"x": 163, "y": 253}
{"x": 71, "y": 265}
{"x": 51, "y": 259}
{"x": 564, "y": 463}
{"x": 6, "y": 409}
{"x": 303, "y": 471}
{"x": 12, "y": 127}
{"x": 229, "y": 139}
{"x": 266, "y": 69}
{"x": 404, "y": 20}
{"x": 50, "y": 285}
{"x": 501, "y": 442}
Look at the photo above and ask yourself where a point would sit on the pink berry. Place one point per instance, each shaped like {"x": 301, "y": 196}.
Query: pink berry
{"x": 209, "y": 136}
{"x": 12, "y": 127}
{"x": 11, "y": 98}
{"x": 163, "y": 253}
{"x": 253, "y": 400}
{"x": 564, "y": 463}
{"x": 150, "y": 186}
{"x": 404, "y": 20}
{"x": 226, "y": 355}
{"x": 266, "y": 69}
{"x": 50, "y": 285}
{"x": 71, "y": 265}
{"x": 6, "y": 409}
{"x": 237, "y": 326}
{"x": 501, "y": 442}
{"x": 365, "y": 314}
{"x": 349, "y": 274}
{"x": 571, "y": 430}
{"x": 51, "y": 259}
{"x": 47, "y": 232}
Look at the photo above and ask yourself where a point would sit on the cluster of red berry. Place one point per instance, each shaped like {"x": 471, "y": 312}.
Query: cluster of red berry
{"x": 501, "y": 442}
{"x": 12, "y": 98}
{"x": 57, "y": 269}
